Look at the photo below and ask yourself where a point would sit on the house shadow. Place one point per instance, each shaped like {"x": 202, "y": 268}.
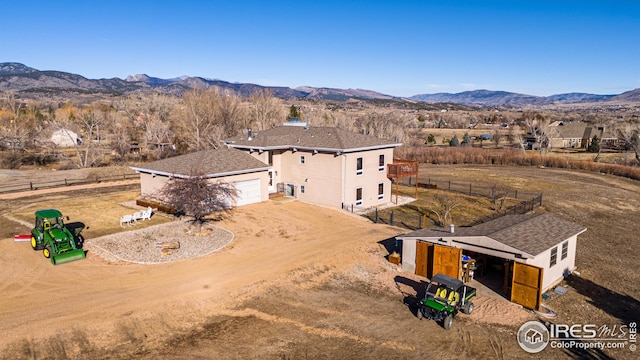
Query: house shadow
{"x": 392, "y": 245}
{"x": 621, "y": 306}
{"x": 417, "y": 292}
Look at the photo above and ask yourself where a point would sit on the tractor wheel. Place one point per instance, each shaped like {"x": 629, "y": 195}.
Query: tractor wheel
{"x": 468, "y": 308}
{"x": 47, "y": 251}
{"x": 446, "y": 323}
{"x": 419, "y": 314}
{"x": 34, "y": 243}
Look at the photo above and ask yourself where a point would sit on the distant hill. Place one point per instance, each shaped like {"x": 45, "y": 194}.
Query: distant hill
{"x": 33, "y": 83}
{"x": 629, "y": 96}
{"x": 503, "y": 98}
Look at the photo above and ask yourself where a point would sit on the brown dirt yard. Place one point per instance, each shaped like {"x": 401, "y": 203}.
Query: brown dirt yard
{"x": 301, "y": 281}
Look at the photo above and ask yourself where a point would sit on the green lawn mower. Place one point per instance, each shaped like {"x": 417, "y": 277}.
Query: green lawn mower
{"x": 56, "y": 240}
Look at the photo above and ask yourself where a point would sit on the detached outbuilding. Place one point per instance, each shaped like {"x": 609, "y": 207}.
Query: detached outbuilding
{"x": 249, "y": 175}
{"x": 527, "y": 253}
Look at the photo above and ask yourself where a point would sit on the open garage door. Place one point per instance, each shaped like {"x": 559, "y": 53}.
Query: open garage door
{"x": 447, "y": 260}
{"x": 248, "y": 192}
{"x": 526, "y": 285}
{"x": 434, "y": 259}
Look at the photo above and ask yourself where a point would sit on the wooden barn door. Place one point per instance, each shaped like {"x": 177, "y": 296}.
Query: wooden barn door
{"x": 526, "y": 285}
{"x": 447, "y": 260}
{"x": 422, "y": 258}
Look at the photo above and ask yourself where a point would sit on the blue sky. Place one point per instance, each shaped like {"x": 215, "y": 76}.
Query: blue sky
{"x": 399, "y": 47}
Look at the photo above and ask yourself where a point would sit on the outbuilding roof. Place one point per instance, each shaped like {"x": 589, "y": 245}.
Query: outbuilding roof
{"x": 309, "y": 138}
{"x": 530, "y": 233}
{"x": 210, "y": 163}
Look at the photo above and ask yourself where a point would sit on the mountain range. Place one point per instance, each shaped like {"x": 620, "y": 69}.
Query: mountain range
{"x": 33, "y": 83}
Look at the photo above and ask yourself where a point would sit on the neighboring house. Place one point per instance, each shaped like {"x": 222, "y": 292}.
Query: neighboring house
{"x": 577, "y": 134}
{"x": 531, "y": 252}
{"x": 65, "y": 138}
{"x": 249, "y": 175}
{"x": 322, "y": 165}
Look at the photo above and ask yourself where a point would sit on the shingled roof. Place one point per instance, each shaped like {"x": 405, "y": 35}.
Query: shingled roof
{"x": 211, "y": 163}
{"x": 530, "y": 233}
{"x": 309, "y": 138}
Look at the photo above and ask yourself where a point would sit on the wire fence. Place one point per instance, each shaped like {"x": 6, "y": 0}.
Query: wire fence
{"x": 22, "y": 187}
{"x": 528, "y": 202}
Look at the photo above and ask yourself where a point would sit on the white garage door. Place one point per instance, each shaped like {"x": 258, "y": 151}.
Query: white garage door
{"x": 248, "y": 192}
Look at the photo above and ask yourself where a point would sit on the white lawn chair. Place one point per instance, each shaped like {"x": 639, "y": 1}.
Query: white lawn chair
{"x": 146, "y": 214}
{"x": 126, "y": 219}
{"x": 134, "y": 218}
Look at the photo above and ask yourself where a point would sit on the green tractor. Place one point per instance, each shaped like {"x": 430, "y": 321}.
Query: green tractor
{"x": 445, "y": 296}
{"x": 55, "y": 239}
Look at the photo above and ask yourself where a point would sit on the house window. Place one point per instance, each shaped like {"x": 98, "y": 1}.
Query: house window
{"x": 302, "y": 189}
{"x": 358, "y": 196}
{"x": 565, "y": 250}
{"x": 554, "y": 256}
{"x": 381, "y": 163}
{"x": 303, "y": 160}
{"x": 270, "y": 157}
{"x": 359, "y": 166}
{"x": 380, "y": 191}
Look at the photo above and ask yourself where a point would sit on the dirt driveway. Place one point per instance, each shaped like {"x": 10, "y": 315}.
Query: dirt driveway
{"x": 298, "y": 281}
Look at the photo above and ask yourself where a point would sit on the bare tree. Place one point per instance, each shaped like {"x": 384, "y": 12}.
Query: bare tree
{"x": 197, "y": 196}
{"x": 209, "y": 116}
{"x": 88, "y": 123}
{"x": 537, "y": 126}
{"x": 442, "y": 206}
{"x": 265, "y": 110}
{"x": 630, "y": 136}
{"x": 499, "y": 195}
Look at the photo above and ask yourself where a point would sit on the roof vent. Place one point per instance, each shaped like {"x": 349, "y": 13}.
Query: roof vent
{"x": 249, "y": 133}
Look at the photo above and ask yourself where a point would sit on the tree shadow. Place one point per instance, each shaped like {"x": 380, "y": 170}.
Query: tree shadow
{"x": 621, "y": 306}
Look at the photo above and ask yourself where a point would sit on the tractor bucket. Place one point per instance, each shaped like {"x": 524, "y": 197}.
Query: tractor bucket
{"x": 67, "y": 257}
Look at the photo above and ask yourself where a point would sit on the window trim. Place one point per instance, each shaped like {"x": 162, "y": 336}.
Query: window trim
{"x": 553, "y": 259}
{"x": 381, "y": 166}
{"x": 565, "y": 250}
{"x": 303, "y": 189}
{"x": 359, "y": 192}
{"x": 303, "y": 159}
{"x": 380, "y": 194}
{"x": 359, "y": 166}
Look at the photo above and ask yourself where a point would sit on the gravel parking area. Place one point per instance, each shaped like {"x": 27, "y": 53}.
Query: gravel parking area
{"x": 144, "y": 246}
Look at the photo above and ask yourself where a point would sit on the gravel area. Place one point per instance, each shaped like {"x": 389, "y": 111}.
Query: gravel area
{"x": 145, "y": 246}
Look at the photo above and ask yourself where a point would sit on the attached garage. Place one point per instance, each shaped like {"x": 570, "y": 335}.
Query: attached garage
{"x": 249, "y": 192}
{"x": 249, "y": 175}
{"x": 531, "y": 252}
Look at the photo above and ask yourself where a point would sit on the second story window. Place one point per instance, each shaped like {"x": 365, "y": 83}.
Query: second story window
{"x": 359, "y": 166}
{"x": 381, "y": 163}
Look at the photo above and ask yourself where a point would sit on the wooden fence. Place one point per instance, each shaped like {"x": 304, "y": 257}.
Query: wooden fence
{"x": 29, "y": 186}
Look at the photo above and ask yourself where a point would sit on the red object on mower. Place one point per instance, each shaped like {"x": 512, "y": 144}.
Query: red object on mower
{"x": 22, "y": 238}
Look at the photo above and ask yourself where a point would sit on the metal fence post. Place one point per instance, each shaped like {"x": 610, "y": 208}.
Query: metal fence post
{"x": 469, "y": 189}
{"x": 377, "y": 215}
{"x": 391, "y": 218}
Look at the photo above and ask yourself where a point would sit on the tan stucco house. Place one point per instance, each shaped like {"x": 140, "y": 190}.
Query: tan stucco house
{"x": 527, "y": 254}
{"x": 322, "y": 165}
{"x": 249, "y": 175}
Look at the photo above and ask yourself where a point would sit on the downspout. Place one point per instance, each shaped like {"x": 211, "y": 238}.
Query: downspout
{"x": 344, "y": 179}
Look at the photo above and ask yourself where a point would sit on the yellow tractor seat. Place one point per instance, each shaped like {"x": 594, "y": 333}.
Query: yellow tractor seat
{"x": 453, "y": 298}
